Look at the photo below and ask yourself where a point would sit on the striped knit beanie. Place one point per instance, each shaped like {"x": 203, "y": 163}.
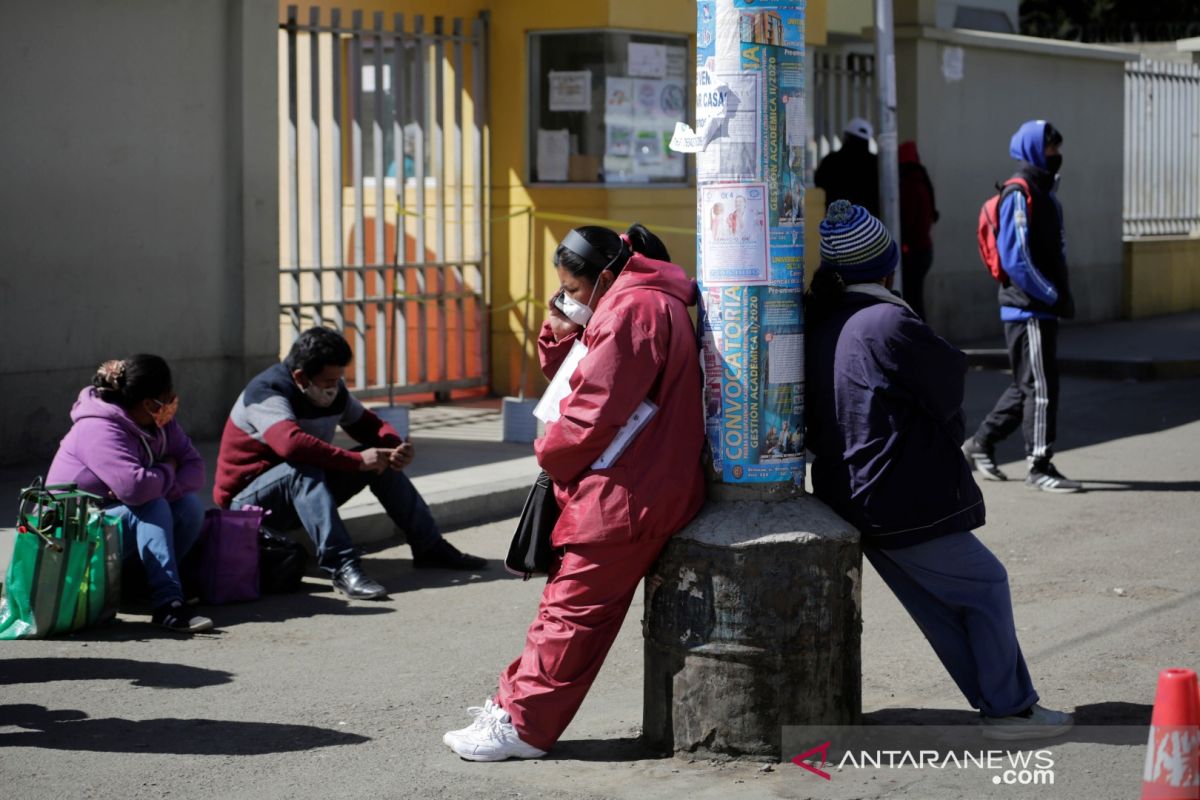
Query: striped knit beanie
{"x": 856, "y": 245}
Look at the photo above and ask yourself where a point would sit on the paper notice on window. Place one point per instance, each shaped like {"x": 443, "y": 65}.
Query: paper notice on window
{"x": 640, "y": 417}
{"x": 560, "y": 386}
{"x": 553, "y": 154}
{"x": 618, "y": 99}
{"x": 785, "y": 358}
{"x": 647, "y": 60}
{"x": 571, "y": 91}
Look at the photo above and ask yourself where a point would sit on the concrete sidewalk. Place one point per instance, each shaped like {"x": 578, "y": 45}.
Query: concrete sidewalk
{"x": 1155, "y": 348}
{"x": 462, "y": 469}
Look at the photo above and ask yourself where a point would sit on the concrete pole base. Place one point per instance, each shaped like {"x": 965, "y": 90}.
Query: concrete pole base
{"x": 753, "y": 622}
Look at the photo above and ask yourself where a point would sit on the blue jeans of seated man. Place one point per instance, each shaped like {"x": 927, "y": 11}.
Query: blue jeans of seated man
{"x": 308, "y": 496}
{"x": 957, "y": 592}
{"x": 160, "y": 534}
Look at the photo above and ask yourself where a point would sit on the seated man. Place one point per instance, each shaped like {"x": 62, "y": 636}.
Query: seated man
{"x": 277, "y": 453}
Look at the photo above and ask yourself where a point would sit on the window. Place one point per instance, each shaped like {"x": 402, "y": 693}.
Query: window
{"x": 411, "y": 128}
{"x": 603, "y": 106}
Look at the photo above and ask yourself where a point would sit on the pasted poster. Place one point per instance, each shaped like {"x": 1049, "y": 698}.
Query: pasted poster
{"x": 749, "y": 139}
{"x": 754, "y": 383}
{"x": 571, "y": 91}
{"x": 735, "y": 248}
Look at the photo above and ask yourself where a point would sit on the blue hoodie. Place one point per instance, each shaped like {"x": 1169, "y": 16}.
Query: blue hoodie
{"x": 1030, "y": 239}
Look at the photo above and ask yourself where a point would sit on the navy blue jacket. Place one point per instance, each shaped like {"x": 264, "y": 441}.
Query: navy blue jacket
{"x": 883, "y": 405}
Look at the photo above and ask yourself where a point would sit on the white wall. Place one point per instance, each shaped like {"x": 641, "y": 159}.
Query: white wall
{"x": 962, "y": 129}
{"x": 138, "y": 206}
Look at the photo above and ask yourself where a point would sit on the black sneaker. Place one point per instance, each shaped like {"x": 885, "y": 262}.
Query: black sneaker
{"x": 982, "y": 460}
{"x": 444, "y": 555}
{"x": 1048, "y": 479}
{"x": 351, "y": 581}
{"x": 175, "y": 616}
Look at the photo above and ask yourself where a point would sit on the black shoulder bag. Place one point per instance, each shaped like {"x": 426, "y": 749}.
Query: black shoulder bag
{"x": 531, "y": 552}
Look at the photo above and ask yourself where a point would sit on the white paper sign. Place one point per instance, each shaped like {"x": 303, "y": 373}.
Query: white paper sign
{"x": 952, "y": 63}
{"x": 785, "y": 358}
{"x": 553, "y": 151}
{"x": 647, "y": 60}
{"x": 794, "y": 121}
{"x": 618, "y": 99}
{"x": 571, "y": 91}
{"x": 547, "y": 409}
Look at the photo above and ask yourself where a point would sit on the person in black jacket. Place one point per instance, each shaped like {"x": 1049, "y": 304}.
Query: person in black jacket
{"x": 1035, "y": 293}
{"x": 884, "y": 413}
{"x": 852, "y": 172}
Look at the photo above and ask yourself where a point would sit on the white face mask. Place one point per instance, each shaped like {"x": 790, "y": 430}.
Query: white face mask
{"x": 574, "y": 310}
{"x": 321, "y": 398}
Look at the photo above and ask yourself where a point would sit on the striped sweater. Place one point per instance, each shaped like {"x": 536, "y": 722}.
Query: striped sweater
{"x": 273, "y": 421}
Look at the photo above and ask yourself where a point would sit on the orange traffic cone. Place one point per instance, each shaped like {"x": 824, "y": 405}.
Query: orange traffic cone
{"x": 1172, "y": 769}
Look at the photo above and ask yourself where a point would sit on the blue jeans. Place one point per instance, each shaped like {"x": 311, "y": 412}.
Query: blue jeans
{"x": 301, "y": 495}
{"x": 957, "y": 593}
{"x": 160, "y": 533}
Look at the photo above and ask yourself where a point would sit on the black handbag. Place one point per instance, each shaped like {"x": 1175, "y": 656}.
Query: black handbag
{"x": 282, "y": 562}
{"x": 531, "y": 552}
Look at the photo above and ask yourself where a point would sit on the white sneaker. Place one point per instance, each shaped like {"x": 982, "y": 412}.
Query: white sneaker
{"x": 480, "y": 713}
{"x": 494, "y": 740}
{"x": 1042, "y": 723}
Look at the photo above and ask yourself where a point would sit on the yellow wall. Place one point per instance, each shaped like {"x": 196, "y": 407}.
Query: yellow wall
{"x": 1161, "y": 277}
{"x": 510, "y": 23}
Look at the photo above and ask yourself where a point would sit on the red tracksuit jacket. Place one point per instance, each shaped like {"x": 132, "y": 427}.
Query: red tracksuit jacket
{"x": 641, "y": 344}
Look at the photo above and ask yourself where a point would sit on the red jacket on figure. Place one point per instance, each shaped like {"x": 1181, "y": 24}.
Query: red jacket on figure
{"x": 641, "y": 344}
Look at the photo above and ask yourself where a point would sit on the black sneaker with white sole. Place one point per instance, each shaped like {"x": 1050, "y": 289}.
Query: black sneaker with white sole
{"x": 1048, "y": 479}
{"x": 175, "y": 616}
{"x": 982, "y": 460}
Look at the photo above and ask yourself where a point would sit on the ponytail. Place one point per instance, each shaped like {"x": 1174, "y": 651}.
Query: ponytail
{"x": 589, "y": 250}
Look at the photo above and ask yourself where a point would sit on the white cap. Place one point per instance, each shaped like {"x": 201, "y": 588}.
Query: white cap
{"x": 860, "y": 128}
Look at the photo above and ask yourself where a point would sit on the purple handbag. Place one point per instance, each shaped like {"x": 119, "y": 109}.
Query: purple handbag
{"x": 228, "y": 571}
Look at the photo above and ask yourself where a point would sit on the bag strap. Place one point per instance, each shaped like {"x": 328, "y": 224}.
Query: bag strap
{"x": 67, "y": 507}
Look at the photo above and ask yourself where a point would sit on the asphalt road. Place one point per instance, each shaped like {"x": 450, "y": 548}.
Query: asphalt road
{"x": 306, "y": 696}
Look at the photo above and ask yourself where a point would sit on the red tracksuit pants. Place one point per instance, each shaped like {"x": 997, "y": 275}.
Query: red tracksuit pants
{"x": 585, "y": 601}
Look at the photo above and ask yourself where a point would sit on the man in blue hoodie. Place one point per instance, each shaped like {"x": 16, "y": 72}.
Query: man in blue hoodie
{"x": 1035, "y": 294}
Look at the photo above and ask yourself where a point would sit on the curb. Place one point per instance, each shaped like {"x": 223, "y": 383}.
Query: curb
{"x": 452, "y": 509}
{"x": 1135, "y": 369}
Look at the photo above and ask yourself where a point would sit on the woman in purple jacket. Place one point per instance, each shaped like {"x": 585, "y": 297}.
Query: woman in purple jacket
{"x": 126, "y": 447}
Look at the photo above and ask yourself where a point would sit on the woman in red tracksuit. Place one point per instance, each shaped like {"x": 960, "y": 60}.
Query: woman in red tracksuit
{"x": 628, "y": 305}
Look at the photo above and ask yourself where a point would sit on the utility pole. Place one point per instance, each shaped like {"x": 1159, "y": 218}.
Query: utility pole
{"x": 886, "y": 138}
{"x": 753, "y": 612}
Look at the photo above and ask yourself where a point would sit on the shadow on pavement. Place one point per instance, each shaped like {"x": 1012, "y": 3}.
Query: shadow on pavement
{"x": 1091, "y": 411}
{"x": 399, "y": 576}
{"x": 156, "y": 674}
{"x": 312, "y": 599}
{"x": 610, "y": 750}
{"x": 72, "y": 730}
{"x": 1094, "y": 485}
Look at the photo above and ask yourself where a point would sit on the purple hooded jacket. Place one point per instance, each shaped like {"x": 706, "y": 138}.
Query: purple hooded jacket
{"x": 108, "y": 454}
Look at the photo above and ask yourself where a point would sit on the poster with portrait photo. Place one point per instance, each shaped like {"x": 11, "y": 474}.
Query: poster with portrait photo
{"x": 734, "y": 240}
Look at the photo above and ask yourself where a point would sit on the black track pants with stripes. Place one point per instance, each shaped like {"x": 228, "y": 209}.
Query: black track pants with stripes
{"x": 1032, "y": 400}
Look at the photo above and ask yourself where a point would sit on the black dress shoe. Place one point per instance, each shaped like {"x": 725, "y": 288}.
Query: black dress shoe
{"x": 444, "y": 555}
{"x": 351, "y": 581}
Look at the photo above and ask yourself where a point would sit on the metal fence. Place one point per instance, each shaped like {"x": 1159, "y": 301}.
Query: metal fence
{"x": 843, "y": 87}
{"x": 1162, "y": 149}
{"x": 382, "y": 156}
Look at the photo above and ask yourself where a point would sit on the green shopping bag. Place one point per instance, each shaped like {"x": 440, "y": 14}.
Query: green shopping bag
{"x": 65, "y": 572}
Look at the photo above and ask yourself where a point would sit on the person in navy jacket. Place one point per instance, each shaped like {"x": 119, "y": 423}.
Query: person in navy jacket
{"x": 1035, "y": 293}
{"x": 884, "y": 413}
